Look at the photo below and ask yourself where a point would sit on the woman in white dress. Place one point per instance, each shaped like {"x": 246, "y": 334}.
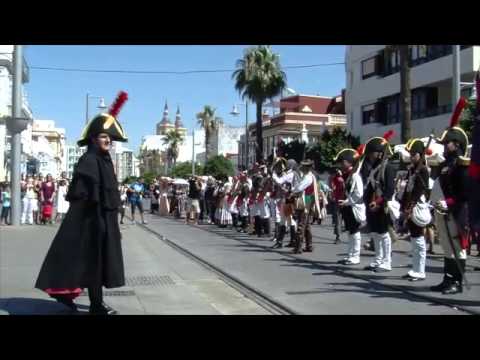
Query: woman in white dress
{"x": 62, "y": 203}
{"x": 164, "y": 206}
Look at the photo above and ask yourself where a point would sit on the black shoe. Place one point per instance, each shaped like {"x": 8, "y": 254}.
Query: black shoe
{"x": 454, "y": 288}
{"x": 102, "y": 309}
{"x": 308, "y": 249}
{"x": 476, "y": 269}
{"x": 369, "y": 268}
{"x": 407, "y": 277}
{"x": 277, "y": 246}
{"x": 290, "y": 245}
{"x": 440, "y": 287}
{"x": 337, "y": 240}
{"x": 381, "y": 270}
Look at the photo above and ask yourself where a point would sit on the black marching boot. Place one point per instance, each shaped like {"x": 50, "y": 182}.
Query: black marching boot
{"x": 97, "y": 306}
{"x": 456, "y": 285}
{"x": 293, "y": 234}
{"x": 446, "y": 280}
{"x": 282, "y": 229}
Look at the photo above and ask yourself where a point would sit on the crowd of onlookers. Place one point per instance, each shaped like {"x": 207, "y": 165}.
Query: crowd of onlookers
{"x": 41, "y": 197}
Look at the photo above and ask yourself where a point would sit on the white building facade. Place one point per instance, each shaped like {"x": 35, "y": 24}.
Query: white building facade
{"x": 74, "y": 153}
{"x": 54, "y": 161}
{"x": 373, "y": 87}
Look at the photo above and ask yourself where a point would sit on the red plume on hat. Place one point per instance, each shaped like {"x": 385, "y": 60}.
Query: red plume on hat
{"x": 388, "y": 135}
{"x": 428, "y": 152}
{"x": 458, "y": 111}
{"x": 122, "y": 97}
{"x": 361, "y": 149}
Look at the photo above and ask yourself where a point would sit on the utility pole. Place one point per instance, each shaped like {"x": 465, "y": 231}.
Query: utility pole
{"x": 247, "y": 144}
{"x": 193, "y": 152}
{"x": 456, "y": 74}
{"x": 16, "y": 125}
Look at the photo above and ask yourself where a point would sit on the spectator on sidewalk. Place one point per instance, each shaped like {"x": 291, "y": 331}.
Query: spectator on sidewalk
{"x": 5, "y": 202}
{"x": 137, "y": 191}
{"x": 47, "y": 194}
{"x": 62, "y": 203}
{"x": 193, "y": 204}
{"x": 29, "y": 202}
{"x": 123, "y": 202}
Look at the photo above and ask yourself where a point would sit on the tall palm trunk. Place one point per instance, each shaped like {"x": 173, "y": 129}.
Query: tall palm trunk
{"x": 405, "y": 94}
{"x": 259, "y": 130}
{"x": 207, "y": 144}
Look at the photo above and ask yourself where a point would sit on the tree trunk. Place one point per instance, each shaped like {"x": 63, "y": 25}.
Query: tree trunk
{"x": 207, "y": 144}
{"x": 259, "y": 131}
{"x": 405, "y": 94}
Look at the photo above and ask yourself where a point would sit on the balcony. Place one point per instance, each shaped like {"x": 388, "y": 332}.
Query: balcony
{"x": 337, "y": 120}
{"x": 439, "y": 110}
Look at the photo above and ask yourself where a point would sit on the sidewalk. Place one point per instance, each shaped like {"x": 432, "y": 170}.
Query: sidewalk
{"x": 159, "y": 280}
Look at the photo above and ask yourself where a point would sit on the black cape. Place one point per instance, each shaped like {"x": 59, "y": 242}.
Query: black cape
{"x": 86, "y": 250}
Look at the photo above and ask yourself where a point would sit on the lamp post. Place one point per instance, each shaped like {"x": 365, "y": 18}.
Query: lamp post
{"x": 235, "y": 113}
{"x": 101, "y": 105}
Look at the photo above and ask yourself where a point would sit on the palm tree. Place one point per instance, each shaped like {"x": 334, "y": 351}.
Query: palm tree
{"x": 173, "y": 139}
{"x": 209, "y": 122}
{"x": 259, "y": 77}
{"x": 405, "y": 91}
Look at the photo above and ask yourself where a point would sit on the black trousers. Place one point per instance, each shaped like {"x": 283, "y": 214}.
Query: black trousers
{"x": 351, "y": 224}
{"x": 244, "y": 222}
{"x": 234, "y": 219}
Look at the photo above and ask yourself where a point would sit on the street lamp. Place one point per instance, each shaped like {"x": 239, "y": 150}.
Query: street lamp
{"x": 101, "y": 105}
{"x": 235, "y": 113}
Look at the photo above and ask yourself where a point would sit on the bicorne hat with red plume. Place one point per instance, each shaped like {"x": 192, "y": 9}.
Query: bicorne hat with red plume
{"x": 454, "y": 132}
{"x": 106, "y": 123}
{"x": 380, "y": 144}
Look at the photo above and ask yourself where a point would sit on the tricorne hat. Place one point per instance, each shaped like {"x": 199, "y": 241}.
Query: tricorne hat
{"x": 106, "y": 123}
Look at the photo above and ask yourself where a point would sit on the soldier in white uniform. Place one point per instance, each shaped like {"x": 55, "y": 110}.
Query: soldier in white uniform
{"x": 351, "y": 206}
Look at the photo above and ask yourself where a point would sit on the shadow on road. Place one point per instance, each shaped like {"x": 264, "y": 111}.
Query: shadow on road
{"x": 30, "y": 306}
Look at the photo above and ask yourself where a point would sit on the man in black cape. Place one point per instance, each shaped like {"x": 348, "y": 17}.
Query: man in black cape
{"x": 86, "y": 252}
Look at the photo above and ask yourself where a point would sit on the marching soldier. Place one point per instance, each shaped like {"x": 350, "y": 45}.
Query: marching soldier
{"x": 452, "y": 208}
{"x": 284, "y": 181}
{"x": 351, "y": 206}
{"x": 414, "y": 206}
{"x": 306, "y": 193}
{"x": 379, "y": 175}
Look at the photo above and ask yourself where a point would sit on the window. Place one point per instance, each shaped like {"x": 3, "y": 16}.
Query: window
{"x": 368, "y": 114}
{"x": 392, "y": 110}
{"x": 368, "y": 68}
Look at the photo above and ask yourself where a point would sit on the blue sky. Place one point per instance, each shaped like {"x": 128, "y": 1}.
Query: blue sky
{"x": 60, "y": 96}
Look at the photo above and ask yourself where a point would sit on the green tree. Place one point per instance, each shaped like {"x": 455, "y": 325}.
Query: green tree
{"x": 466, "y": 120}
{"x": 149, "y": 177}
{"x": 184, "y": 169}
{"x": 323, "y": 152}
{"x": 259, "y": 77}
{"x": 209, "y": 123}
{"x": 173, "y": 139}
{"x": 129, "y": 180}
{"x": 219, "y": 167}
